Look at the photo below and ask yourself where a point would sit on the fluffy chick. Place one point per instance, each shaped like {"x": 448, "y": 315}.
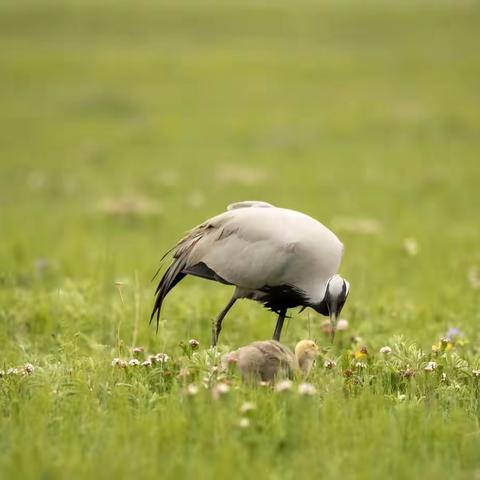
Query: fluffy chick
{"x": 269, "y": 360}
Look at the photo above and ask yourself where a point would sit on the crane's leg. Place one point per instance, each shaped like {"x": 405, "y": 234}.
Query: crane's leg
{"x": 279, "y": 326}
{"x": 217, "y": 323}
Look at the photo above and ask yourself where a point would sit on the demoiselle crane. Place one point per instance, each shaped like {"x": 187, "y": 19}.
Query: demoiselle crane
{"x": 278, "y": 257}
{"x": 269, "y": 360}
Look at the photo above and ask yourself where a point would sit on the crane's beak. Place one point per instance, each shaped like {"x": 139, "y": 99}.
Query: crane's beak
{"x": 333, "y": 325}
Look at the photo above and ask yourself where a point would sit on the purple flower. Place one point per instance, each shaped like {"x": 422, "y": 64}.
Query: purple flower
{"x": 453, "y": 333}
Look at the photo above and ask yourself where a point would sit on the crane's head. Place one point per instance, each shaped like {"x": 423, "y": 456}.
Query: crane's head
{"x": 336, "y": 295}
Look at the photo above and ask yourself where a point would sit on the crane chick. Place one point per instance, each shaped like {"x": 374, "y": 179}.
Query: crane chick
{"x": 269, "y": 360}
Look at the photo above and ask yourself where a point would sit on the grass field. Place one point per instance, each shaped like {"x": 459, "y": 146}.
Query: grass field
{"x": 123, "y": 124}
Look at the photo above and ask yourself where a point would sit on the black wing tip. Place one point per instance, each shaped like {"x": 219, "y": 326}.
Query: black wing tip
{"x": 170, "y": 278}
{"x": 164, "y": 256}
{"x": 152, "y": 315}
{"x": 156, "y": 312}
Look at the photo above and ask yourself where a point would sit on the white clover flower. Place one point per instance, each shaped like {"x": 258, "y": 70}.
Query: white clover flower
{"x": 330, "y": 364}
{"x": 192, "y": 389}
{"x": 193, "y": 343}
{"x": 360, "y": 365}
{"x": 116, "y": 361}
{"x": 2, "y": 373}
{"x": 342, "y": 324}
{"x": 122, "y": 363}
{"x": 386, "y": 350}
{"x": 134, "y": 362}
{"x": 476, "y": 373}
{"x": 138, "y": 350}
{"x": 147, "y": 363}
{"x": 410, "y": 245}
{"x": 184, "y": 372}
{"x": 247, "y": 407}
{"x": 306, "y": 389}
{"x": 431, "y": 366}
{"x": 230, "y": 361}
{"x": 220, "y": 390}
{"x": 12, "y": 371}
{"x": 244, "y": 422}
{"x": 223, "y": 388}
{"x": 161, "y": 358}
{"x": 28, "y": 368}
{"x": 283, "y": 386}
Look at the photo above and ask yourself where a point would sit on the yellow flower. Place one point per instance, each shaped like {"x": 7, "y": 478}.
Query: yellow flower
{"x": 359, "y": 355}
{"x": 445, "y": 344}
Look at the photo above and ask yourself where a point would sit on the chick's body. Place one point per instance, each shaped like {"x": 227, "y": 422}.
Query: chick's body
{"x": 268, "y": 360}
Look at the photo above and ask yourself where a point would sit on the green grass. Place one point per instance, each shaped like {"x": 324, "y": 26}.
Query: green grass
{"x": 362, "y": 114}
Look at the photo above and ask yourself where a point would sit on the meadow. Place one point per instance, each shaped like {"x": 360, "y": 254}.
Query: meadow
{"x": 123, "y": 124}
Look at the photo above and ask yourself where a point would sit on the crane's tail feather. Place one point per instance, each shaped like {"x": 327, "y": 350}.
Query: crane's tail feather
{"x": 175, "y": 272}
{"x": 170, "y": 278}
{"x": 161, "y": 262}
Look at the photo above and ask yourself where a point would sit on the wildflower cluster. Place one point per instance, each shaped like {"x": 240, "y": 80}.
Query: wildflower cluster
{"x": 247, "y": 410}
{"x": 140, "y": 360}
{"x": 189, "y": 348}
{"x": 399, "y": 368}
{"x": 26, "y": 369}
{"x": 303, "y": 389}
{"x": 450, "y": 363}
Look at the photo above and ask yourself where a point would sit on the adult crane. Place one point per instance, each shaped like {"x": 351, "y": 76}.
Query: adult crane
{"x": 278, "y": 257}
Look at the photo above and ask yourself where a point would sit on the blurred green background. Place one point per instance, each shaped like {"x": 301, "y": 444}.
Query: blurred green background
{"x": 124, "y": 124}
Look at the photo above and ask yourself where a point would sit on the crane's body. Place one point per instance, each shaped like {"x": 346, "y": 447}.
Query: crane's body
{"x": 279, "y": 257}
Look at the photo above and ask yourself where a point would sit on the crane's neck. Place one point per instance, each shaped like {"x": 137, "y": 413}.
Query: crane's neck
{"x": 316, "y": 294}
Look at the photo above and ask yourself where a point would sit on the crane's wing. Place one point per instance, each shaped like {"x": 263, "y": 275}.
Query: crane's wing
{"x": 253, "y": 246}
{"x": 187, "y": 251}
